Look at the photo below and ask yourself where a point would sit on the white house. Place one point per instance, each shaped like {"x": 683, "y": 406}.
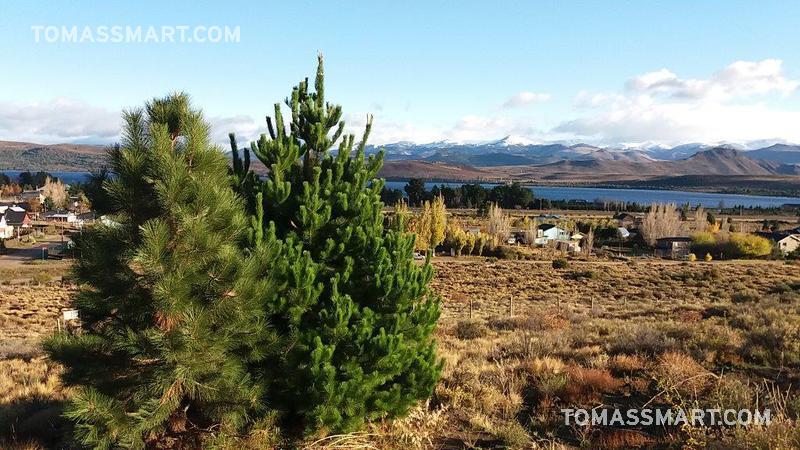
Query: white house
{"x": 6, "y": 230}
{"x": 60, "y": 216}
{"x": 548, "y": 232}
{"x": 789, "y": 243}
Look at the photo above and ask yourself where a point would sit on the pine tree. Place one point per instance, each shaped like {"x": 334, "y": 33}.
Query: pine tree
{"x": 354, "y": 307}
{"x": 168, "y": 341}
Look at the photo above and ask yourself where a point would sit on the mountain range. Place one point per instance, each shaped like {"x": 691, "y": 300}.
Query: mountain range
{"x": 513, "y": 151}
{"x": 508, "y": 158}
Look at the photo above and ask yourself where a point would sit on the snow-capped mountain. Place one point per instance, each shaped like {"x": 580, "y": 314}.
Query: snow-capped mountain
{"x": 517, "y": 150}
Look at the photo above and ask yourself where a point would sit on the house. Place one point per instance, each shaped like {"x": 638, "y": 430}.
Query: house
{"x": 785, "y": 241}
{"x": 789, "y": 243}
{"x": 548, "y": 232}
{"x": 675, "y": 247}
{"x": 12, "y": 221}
{"x": 60, "y": 216}
{"x": 6, "y": 230}
{"x": 625, "y": 220}
{"x": 31, "y": 195}
{"x": 13, "y": 207}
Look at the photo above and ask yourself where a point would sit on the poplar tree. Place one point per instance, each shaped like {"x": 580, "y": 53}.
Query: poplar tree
{"x": 354, "y": 307}
{"x": 168, "y": 342}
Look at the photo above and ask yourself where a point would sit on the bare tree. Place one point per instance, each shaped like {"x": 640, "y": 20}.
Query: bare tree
{"x": 531, "y": 227}
{"x": 724, "y": 230}
{"x": 588, "y": 242}
{"x": 499, "y": 223}
{"x": 700, "y": 219}
{"x": 56, "y": 192}
{"x": 663, "y": 220}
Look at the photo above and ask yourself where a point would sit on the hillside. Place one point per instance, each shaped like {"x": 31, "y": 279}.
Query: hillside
{"x": 53, "y": 158}
{"x": 506, "y": 160}
{"x": 432, "y": 171}
{"x": 780, "y": 153}
{"x": 718, "y": 170}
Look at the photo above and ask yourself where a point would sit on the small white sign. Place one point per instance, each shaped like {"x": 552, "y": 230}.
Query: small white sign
{"x": 70, "y": 314}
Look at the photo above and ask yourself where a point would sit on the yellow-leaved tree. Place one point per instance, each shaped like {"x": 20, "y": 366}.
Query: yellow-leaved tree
{"x": 429, "y": 226}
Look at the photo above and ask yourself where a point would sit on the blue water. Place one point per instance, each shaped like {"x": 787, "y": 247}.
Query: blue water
{"x": 66, "y": 177}
{"x": 641, "y": 196}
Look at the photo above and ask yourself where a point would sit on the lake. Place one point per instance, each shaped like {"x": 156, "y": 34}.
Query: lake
{"x": 66, "y": 177}
{"x": 641, "y": 196}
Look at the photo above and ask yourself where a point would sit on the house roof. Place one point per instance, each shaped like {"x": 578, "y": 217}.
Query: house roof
{"x": 546, "y": 226}
{"x": 774, "y": 236}
{"x": 623, "y": 216}
{"x": 674, "y": 239}
{"x": 791, "y": 237}
{"x": 56, "y": 213}
{"x": 27, "y": 195}
{"x": 15, "y": 217}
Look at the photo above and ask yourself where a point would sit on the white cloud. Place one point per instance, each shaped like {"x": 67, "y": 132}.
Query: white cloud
{"x": 56, "y": 121}
{"x": 244, "y": 127}
{"x": 740, "y": 79}
{"x": 525, "y": 98}
{"x": 730, "y": 105}
{"x": 735, "y": 103}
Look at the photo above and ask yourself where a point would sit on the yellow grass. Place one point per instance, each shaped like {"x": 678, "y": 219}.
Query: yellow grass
{"x": 595, "y": 333}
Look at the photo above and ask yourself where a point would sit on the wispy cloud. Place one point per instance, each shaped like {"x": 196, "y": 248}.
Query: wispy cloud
{"x": 58, "y": 120}
{"x": 525, "y": 98}
{"x": 739, "y": 79}
{"x": 731, "y": 104}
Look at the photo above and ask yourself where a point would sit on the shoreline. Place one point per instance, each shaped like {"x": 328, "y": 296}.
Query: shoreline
{"x": 637, "y": 185}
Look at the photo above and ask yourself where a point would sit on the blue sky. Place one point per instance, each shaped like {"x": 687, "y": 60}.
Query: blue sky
{"x": 606, "y": 72}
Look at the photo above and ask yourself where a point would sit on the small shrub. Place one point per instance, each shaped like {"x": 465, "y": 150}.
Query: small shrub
{"x": 546, "y": 365}
{"x": 620, "y": 439}
{"x": 745, "y": 297}
{"x": 626, "y": 364}
{"x": 513, "y": 435}
{"x": 708, "y": 257}
{"x": 584, "y": 383}
{"x": 692, "y": 257}
{"x": 41, "y": 278}
{"x": 560, "y": 263}
{"x": 534, "y": 322}
{"x": 471, "y": 329}
{"x": 648, "y": 339}
{"x": 742, "y": 245}
{"x": 681, "y": 373}
{"x": 584, "y": 274}
{"x": 703, "y": 242}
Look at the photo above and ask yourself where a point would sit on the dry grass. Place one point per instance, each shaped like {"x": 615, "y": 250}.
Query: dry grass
{"x": 597, "y": 333}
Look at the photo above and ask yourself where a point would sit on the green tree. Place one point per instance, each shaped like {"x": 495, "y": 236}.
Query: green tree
{"x": 168, "y": 340}
{"x": 353, "y": 305}
{"x": 96, "y": 193}
{"x": 391, "y": 196}
{"x": 415, "y": 189}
